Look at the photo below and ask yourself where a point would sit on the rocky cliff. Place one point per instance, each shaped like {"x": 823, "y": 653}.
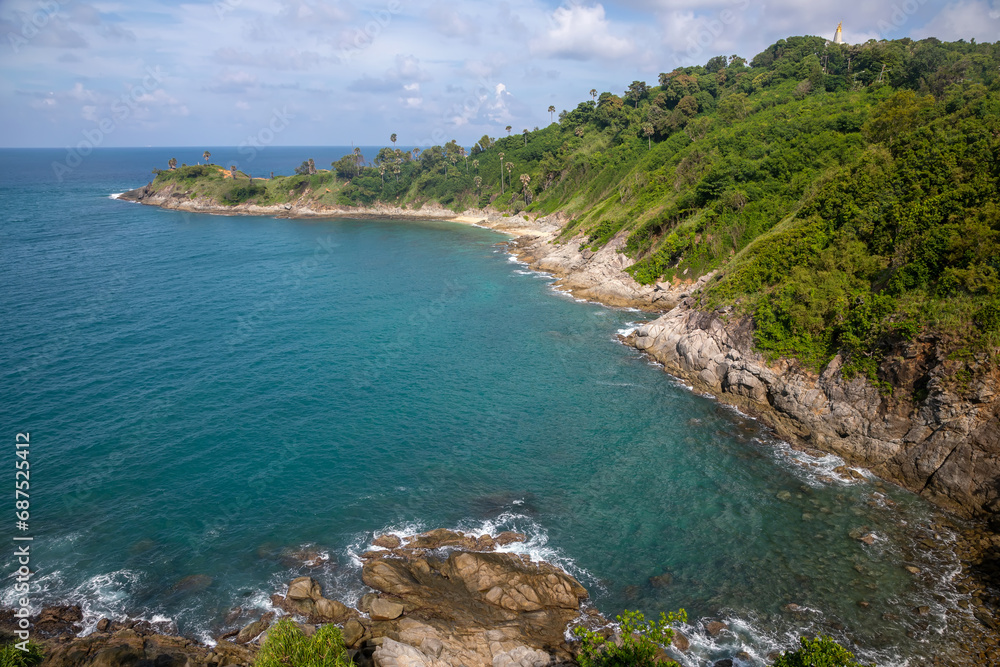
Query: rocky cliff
{"x": 937, "y": 433}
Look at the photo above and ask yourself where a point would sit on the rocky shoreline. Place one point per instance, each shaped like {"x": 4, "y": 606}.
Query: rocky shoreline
{"x": 440, "y": 598}
{"x": 925, "y": 437}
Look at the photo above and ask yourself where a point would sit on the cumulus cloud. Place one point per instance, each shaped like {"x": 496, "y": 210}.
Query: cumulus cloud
{"x": 581, "y": 33}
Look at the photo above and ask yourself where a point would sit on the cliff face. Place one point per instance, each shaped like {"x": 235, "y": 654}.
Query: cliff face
{"x": 936, "y": 435}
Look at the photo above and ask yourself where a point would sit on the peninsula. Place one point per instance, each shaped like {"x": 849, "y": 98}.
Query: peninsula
{"x": 819, "y": 230}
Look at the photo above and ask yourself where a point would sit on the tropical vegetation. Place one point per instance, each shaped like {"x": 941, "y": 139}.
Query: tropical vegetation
{"x": 847, "y": 197}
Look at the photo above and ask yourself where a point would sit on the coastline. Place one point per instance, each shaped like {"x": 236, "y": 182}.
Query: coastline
{"x": 595, "y": 276}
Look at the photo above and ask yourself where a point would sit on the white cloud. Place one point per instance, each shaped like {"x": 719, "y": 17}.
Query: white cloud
{"x": 581, "y": 33}
{"x": 966, "y": 19}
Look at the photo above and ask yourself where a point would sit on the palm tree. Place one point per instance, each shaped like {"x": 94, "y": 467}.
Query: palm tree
{"x": 501, "y": 173}
{"x": 393, "y": 139}
{"x": 593, "y": 93}
{"x": 478, "y": 180}
{"x": 525, "y": 136}
{"x": 358, "y": 160}
{"x": 508, "y": 130}
{"x": 381, "y": 172}
{"x": 648, "y": 130}
{"x": 465, "y": 156}
{"x": 525, "y": 179}
{"x": 416, "y": 152}
{"x": 552, "y": 110}
{"x": 206, "y": 155}
{"x": 172, "y": 163}
{"x": 232, "y": 171}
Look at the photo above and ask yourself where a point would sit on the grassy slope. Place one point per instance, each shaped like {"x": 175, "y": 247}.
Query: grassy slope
{"x": 846, "y": 210}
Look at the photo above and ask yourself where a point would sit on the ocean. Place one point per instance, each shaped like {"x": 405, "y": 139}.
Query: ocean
{"x": 219, "y": 404}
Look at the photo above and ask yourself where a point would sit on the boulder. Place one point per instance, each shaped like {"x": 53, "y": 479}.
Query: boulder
{"x": 330, "y": 611}
{"x": 509, "y": 537}
{"x": 353, "y": 632}
{"x": 387, "y": 541}
{"x": 385, "y": 610}
{"x": 715, "y": 628}
{"x": 251, "y": 630}
{"x": 303, "y": 588}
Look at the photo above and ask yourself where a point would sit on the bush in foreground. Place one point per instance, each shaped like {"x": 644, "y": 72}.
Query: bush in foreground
{"x": 640, "y": 640}
{"x": 287, "y": 645}
{"x": 11, "y": 656}
{"x": 819, "y": 652}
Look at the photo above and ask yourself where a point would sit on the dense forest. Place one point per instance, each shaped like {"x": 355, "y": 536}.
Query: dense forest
{"x": 847, "y": 196}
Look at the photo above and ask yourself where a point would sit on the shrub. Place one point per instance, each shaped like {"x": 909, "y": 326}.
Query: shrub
{"x": 11, "y": 656}
{"x": 287, "y": 645}
{"x": 640, "y": 640}
{"x": 819, "y": 652}
{"x": 240, "y": 192}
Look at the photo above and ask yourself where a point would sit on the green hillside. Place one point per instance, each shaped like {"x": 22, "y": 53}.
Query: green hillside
{"x": 847, "y": 195}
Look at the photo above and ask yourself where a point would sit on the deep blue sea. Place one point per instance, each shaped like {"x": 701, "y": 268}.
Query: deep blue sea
{"x": 206, "y": 396}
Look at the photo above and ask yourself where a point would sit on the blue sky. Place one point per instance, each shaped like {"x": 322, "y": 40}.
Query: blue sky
{"x": 306, "y": 72}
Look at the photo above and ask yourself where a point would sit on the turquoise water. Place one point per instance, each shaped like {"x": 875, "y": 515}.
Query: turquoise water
{"x": 206, "y": 394}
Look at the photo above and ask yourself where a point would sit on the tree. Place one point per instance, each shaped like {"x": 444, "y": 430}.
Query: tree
{"x": 552, "y": 110}
{"x": 206, "y": 155}
{"x": 579, "y": 132}
{"x": 416, "y": 153}
{"x": 478, "y": 180}
{"x": 232, "y": 171}
{"x": 525, "y": 179}
{"x": 172, "y": 163}
{"x": 636, "y": 91}
{"x": 525, "y": 133}
{"x": 475, "y": 165}
{"x": 358, "y": 160}
{"x": 647, "y": 129}
{"x": 636, "y": 647}
{"x": 508, "y": 130}
{"x": 302, "y": 169}
{"x": 501, "y": 172}
{"x": 392, "y": 138}
{"x": 819, "y": 652}
{"x": 716, "y": 64}
{"x": 593, "y": 93}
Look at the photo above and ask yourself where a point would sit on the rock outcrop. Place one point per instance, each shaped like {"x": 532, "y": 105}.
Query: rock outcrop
{"x": 925, "y": 436}
{"x": 599, "y": 275}
{"x": 447, "y": 598}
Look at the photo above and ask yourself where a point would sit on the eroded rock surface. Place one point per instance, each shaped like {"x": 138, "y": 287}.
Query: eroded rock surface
{"x": 468, "y": 607}
{"x": 924, "y": 436}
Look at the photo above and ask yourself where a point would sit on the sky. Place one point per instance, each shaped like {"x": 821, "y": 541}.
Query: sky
{"x": 322, "y": 73}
